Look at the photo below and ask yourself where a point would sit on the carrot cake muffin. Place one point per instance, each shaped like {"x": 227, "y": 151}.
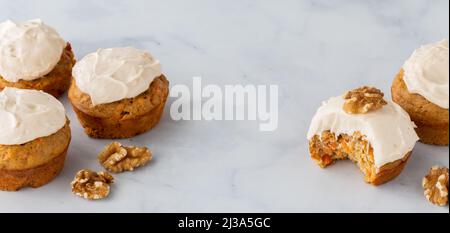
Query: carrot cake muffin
{"x": 118, "y": 92}
{"x": 377, "y": 135}
{"x": 34, "y": 56}
{"x": 34, "y": 138}
{"x": 421, "y": 88}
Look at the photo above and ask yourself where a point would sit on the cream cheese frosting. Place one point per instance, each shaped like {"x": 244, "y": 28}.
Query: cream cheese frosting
{"x": 28, "y": 50}
{"x": 113, "y": 74}
{"x": 389, "y": 130}
{"x": 426, "y": 73}
{"x": 26, "y": 115}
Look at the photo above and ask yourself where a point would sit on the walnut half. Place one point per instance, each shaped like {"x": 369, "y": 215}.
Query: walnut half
{"x": 435, "y": 185}
{"x": 117, "y": 158}
{"x": 363, "y": 100}
{"x": 91, "y": 185}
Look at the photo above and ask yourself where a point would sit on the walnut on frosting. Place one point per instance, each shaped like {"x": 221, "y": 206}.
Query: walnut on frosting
{"x": 92, "y": 185}
{"x": 363, "y": 100}
{"x": 435, "y": 185}
{"x": 117, "y": 158}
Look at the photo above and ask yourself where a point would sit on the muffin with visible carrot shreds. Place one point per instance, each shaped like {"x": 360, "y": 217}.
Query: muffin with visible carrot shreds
{"x": 376, "y": 134}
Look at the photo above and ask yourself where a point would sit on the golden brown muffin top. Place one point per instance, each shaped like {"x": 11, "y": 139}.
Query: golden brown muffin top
{"x": 64, "y": 66}
{"x": 36, "y": 152}
{"x": 417, "y": 106}
{"x": 123, "y": 109}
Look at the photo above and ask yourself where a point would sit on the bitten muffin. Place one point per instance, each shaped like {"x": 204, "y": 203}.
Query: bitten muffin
{"x": 34, "y": 56}
{"x": 421, "y": 88}
{"x": 118, "y": 92}
{"x": 361, "y": 126}
{"x": 34, "y": 138}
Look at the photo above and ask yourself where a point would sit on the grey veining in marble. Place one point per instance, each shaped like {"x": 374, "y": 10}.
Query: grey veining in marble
{"x": 312, "y": 49}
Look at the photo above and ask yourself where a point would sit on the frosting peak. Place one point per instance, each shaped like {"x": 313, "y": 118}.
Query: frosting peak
{"x": 389, "y": 130}
{"x": 28, "y": 114}
{"x": 113, "y": 74}
{"x": 28, "y": 50}
{"x": 427, "y": 73}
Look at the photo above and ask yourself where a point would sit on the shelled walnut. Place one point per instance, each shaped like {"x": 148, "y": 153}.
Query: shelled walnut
{"x": 91, "y": 185}
{"x": 363, "y": 100}
{"x": 117, "y": 158}
{"x": 435, "y": 185}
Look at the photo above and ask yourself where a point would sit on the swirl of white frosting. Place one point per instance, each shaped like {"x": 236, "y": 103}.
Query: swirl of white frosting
{"x": 389, "y": 130}
{"x": 113, "y": 74}
{"x": 26, "y": 115}
{"x": 426, "y": 73}
{"x": 28, "y": 50}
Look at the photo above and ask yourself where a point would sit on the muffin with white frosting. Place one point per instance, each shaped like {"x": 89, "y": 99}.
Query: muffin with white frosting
{"x": 34, "y": 138}
{"x": 118, "y": 92}
{"x": 34, "y": 56}
{"x": 421, "y": 88}
{"x": 377, "y": 135}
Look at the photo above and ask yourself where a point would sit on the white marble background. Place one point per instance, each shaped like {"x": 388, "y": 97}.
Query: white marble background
{"x": 312, "y": 49}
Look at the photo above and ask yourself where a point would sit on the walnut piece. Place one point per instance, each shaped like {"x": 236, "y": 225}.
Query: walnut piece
{"x": 435, "y": 185}
{"x": 91, "y": 185}
{"x": 117, "y": 158}
{"x": 363, "y": 100}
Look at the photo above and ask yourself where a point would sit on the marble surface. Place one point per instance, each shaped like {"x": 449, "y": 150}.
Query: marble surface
{"x": 312, "y": 49}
